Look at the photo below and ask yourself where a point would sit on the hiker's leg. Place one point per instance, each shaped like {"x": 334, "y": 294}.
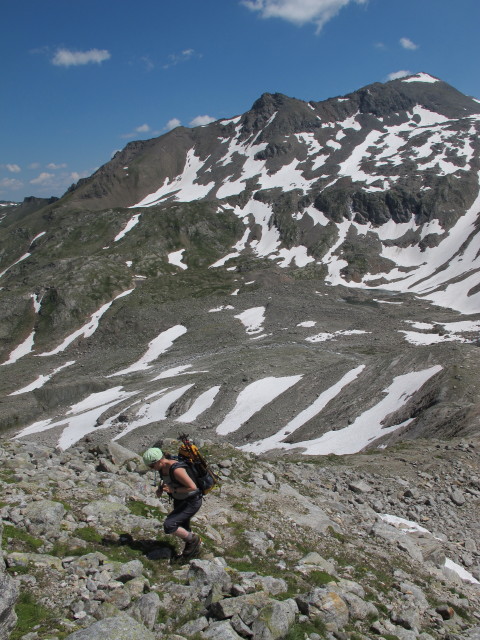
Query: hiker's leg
{"x": 178, "y": 521}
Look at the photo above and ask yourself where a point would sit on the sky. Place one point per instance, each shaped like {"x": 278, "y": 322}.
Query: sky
{"x": 81, "y": 80}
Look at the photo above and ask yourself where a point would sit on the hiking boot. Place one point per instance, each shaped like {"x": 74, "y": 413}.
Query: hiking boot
{"x": 192, "y": 547}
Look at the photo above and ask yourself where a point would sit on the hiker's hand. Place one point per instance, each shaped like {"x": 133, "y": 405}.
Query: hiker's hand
{"x": 167, "y": 489}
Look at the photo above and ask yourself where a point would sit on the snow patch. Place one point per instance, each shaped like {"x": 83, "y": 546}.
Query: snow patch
{"x": 253, "y": 398}
{"x": 156, "y": 347}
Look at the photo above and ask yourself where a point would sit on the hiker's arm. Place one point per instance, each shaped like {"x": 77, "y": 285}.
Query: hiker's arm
{"x": 188, "y": 484}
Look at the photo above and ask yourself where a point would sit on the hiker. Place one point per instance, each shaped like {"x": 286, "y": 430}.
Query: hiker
{"x": 187, "y": 497}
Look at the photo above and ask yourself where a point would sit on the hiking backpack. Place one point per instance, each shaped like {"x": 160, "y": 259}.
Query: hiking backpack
{"x": 196, "y": 465}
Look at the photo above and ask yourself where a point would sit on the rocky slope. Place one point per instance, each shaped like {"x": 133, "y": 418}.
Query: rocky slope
{"x": 375, "y": 545}
{"x": 304, "y": 275}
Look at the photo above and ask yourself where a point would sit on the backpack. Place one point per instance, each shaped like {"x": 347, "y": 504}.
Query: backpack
{"x": 196, "y": 466}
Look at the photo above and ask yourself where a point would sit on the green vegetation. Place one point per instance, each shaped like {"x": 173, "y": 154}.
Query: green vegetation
{"x": 139, "y": 508}
{"x": 19, "y": 540}
{"x": 6, "y": 475}
{"x": 301, "y": 630}
{"x": 31, "y": 615}
{"x": 319, "y": 578}
{"x": 89, "y": 534}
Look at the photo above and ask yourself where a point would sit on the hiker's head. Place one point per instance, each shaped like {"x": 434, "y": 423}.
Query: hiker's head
{"x": 151, "y": 456}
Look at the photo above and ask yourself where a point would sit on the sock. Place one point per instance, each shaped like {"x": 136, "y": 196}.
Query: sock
{"x": 189, "y": 537}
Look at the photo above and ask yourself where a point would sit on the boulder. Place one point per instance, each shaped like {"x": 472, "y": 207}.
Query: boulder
{"x": 8, "y": 598}
{"x": 274, "y": 620}
{"x": 120, "y": 627}
{"x": 45, "y": 517}
{"x": 128, "y": 571}
{"x": 209, "y": 573}
{"x": 221, "y": 631}
{"x": 324, "y": 604}
{"x": 241, "y": 605}
{"x": 120, "y": 455}
{"x": 107, "y": 513}
{"x": 145, "y": 609}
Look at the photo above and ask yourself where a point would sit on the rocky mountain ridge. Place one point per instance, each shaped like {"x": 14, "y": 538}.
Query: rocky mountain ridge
{"x": 302, "y": 277}
{"x": 373, "y": 546}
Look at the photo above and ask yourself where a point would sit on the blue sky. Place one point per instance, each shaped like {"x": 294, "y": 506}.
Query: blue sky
{"x": 79, "y": 80}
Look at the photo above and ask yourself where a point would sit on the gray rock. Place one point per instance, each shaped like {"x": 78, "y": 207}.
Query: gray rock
{"x": 269, "y": 477}
{"x": 258, "y": 541}
{"x": 274, "y": 620}
{"x": 209, "y": 572}
{"x": 324, "y": 604}
{"x": 272, "y": 585}
{"x": 241, "y": 605}
{"x": 8, "y": 598}
{"x": 313, "y": 561}
{"x": 221, "y": 631}
{"x": 17, "y": 559}
{"x": 194, "y": 626}
{"x": 457, "y": 497}
{"x": 106, "y": 512}
{"x": 416, "y": 594}
{"x": 145, "y": 609}
{"x": 240, "y": 626}
{"x": 358, "y": 609}
{"x": 119, "y": 455}
{"x": 45, "y": 517}
{"x": 128, "y": 571}
{"x": 359, "y": 486}
{"x": 120, "y": 627}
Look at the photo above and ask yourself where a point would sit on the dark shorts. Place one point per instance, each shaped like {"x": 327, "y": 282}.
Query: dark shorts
{"x": 183, "y": 510}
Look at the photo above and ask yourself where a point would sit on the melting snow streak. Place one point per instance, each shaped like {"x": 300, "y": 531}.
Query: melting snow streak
{"x": 310, "y": 412}
{"x": 368, "y": 426}
{"x": 201, "y": 404}
{"x": 41, "y": 380}
{"x": 253, "y": 398}
{"x": 155, "y": 348}
{"x": 252, "y": 319}
{"x": 88, "y": 329}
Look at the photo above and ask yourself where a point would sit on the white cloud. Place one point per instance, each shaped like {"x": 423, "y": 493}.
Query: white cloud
{"x": 43, "y": 178}
{"x": 143, "y": 128}
{"x": 53, "y": 167}
{"x": 67, "y": 58}
{"x": 171, "y": 124}
{"x": 10, "y": 183}
{"x": 300, "y": 12}
{"x": 398, "y": 74}
{"x": 13, "y": 168}
{"x": 408, "y": 44}
{"x": 146, "y": 60}
{"x": 183, "y": 56}
{"x": 201, "y": 120}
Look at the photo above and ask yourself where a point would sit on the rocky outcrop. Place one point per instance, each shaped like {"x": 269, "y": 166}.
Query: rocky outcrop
{"x": 8, "y": 597}
{"x": 392, "y": 548}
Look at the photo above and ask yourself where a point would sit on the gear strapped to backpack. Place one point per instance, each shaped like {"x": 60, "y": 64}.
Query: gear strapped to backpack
{"x": 196, "y": 466}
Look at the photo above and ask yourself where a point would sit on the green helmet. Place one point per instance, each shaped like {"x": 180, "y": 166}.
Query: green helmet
{"x": 152, "y": 455}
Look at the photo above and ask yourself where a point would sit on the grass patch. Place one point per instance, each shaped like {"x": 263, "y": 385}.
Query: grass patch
{"x": 335, "y": 534}
{"x": 18, "y": 570}
{"x": 301, "y": 630}
{"x": 6, "y": 475}
{"x": 19, "y": 540}
{"x": 89, "y": 534}
{"x": 139, "y": 508}
{"x": 32, "y": 614}
{"x": 320, "y": 578}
